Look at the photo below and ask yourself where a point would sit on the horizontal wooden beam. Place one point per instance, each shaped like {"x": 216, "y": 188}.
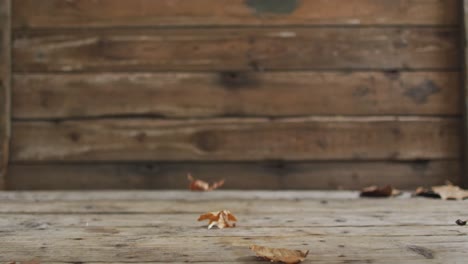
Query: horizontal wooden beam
{"x": 187, "y": 95}
{"x": 314, "y": 138}
{"x": 142, "y": 13}
{"x": 252, "y": 175}
{"x": 237, "y": 49}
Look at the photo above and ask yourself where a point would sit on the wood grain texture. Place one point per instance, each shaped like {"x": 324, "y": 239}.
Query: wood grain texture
{"x": 181, "y": 95}
{"x": 142, "y": 227}
{"x": 264, "y": 175}
{"x": 137, "y": 13}
{"x": 110, "y": 245}
{"x": 246, "y": 49}
{"x": 338, "y": 219}
{"x": 464, "y": 5}
{"x": 5, "y": 75}
{"x": 198, "y": 204}
{"x": 314, "y": 138}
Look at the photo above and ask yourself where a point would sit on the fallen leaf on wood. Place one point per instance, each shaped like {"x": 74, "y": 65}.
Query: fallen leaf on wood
{"x": 220, "y": 219}
{"x": 25, "y": 262}
{"x": 199, "y": 185}
{"x": 279, "y": 254}
{"x": 445, "y": 192}
{"x": 460, "y": 222}
{"x": 376, "y": 191}
{"x": 421, "y": 191}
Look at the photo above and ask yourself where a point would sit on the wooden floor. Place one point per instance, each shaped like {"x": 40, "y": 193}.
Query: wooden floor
{"x": 152, "y": 227}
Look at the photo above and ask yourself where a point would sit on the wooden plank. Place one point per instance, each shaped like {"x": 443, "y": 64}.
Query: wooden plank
{"x": 114, "y": 247}
{"x": 200, "y": 231}
{"x": 235, "y": 94}
{"x": 5, "y": 72}
{"x": 339, "y": 219}
{"x": 172, "y": 195}
{"x": 252, "y": 260}
{"x": 122, "y": 13}
{"x": 142, "y": 227}
{"x": 314, "y": 138}
{"x": 273, "y": 175}
{"x": 280, "y": 207}
{"x": 244, "y": 49}
{"x": 465, "y": 91}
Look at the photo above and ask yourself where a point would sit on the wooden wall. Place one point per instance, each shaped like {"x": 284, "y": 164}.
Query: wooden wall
{"x": 265, "y": 93}
{"x": 5, "y": 80}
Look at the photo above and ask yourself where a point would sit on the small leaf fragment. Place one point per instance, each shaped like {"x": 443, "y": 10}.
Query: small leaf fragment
{"x": 424, "y": 192}
{"x": 199, "y": 185}
{"x": 279, "y": 254}
{"x": 445, "y": 192}
{"x": 25, "y": 262}
{"x": 376, "y": 191}
{"x": 221, "y": 219}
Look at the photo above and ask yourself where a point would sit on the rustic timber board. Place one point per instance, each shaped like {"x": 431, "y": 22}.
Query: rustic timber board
{"x": 273, "y": 175}
{"x": 246, "y": 49}
{"x": 141, "y": 13}
{"x": 161, "y": 227}
{"x": 234, "y": 94}
{"x": 464, "y": 88}
{"x": 5, "y": 86}
{"x": 112, "y": 94}
{"x": 313, "y": 138}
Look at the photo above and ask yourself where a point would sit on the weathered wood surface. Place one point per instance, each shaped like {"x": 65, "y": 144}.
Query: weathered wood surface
{"x": 5, "y": 76}
{"x": 177, "y": 95}
{"x": 123, "y": 13}
{"x": 465, "y": 91}
{"x": 314, "y": 138}
{"x": 258, "y": 49}
{"x": 339, "y": 220}
{"x": 161, "y": 227}
{"x": 248, "y": 175}
{"x": 271, "y": 206}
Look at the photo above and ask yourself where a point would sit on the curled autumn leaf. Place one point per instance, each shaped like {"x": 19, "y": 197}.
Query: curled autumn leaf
{"x": 221, "y": 219}
{"x": 376, "y": 191}
{"x": 279, "y": 254}
{"x": 445, "y": 192}
{"x": 25, "y": 262}
{"x": 199, "y": 185}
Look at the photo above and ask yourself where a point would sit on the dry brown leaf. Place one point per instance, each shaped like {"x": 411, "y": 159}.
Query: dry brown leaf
{"x": 279, "y": 254}
{"x": 25, "y": 262}
{"x": 199, "y": 185}
{"x": 221, "y": 219}
{"x": 376, "y": 191}
{"x": 445, "y": 192}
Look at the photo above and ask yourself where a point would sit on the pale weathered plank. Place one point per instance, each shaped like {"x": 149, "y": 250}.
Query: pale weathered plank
{"x": 249, "y": 221}
{"x": 5, "y": 76}
{"x": 88, "y": 233}
{"x": 227, "y": 49}
{"x": 251, "y": 260}
{"x": 279, "y": 206}
{"x": 164, "y": 195}
{"x": 252, "y": 175}
{"x": 314, "y": 138}
{"x": 108, "y": 247}
{"x": 235, "y": 94}
{"x": 124, "y": 13}
{"x": 83, "y": 227}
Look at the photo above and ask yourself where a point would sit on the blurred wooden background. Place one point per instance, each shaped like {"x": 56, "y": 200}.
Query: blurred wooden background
{"x": 267, "y": 94}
